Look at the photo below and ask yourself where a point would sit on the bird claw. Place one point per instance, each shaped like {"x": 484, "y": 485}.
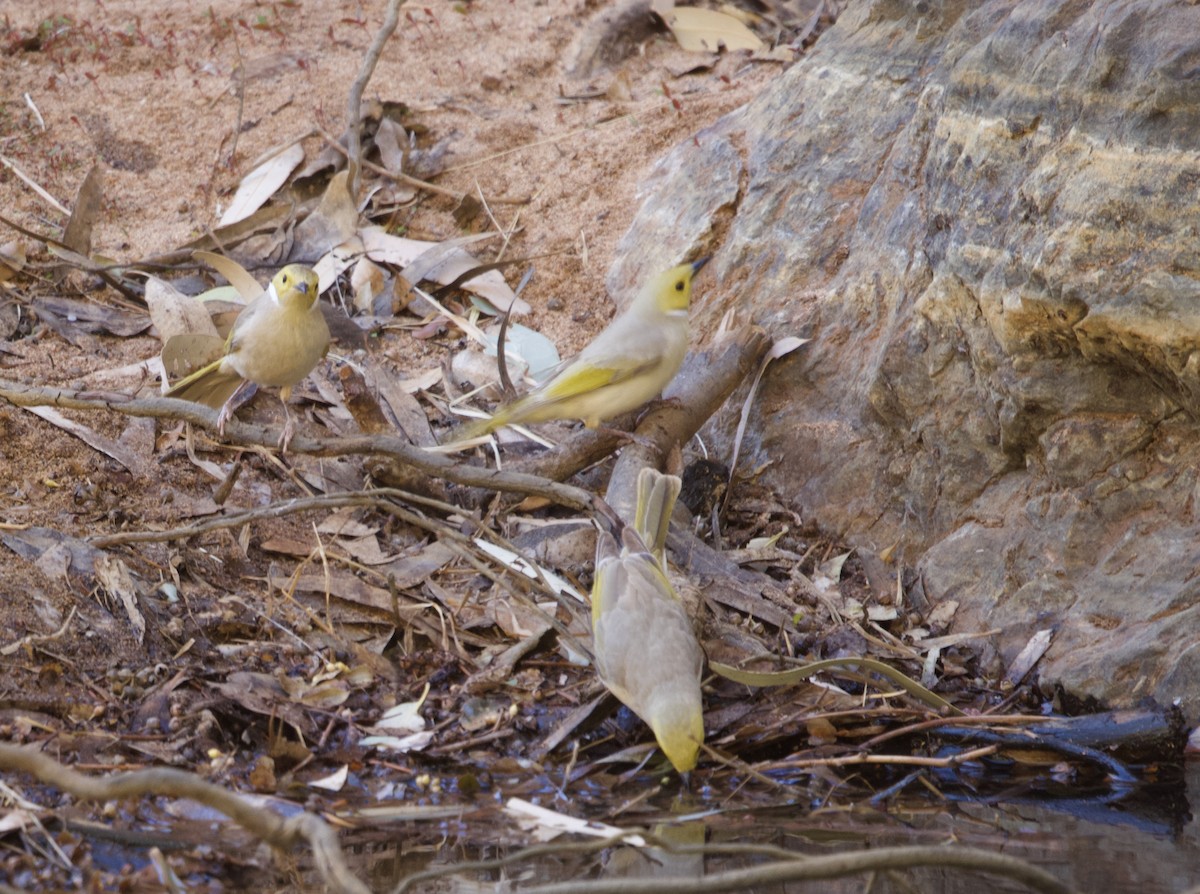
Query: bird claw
{"x": 289, "y": 432}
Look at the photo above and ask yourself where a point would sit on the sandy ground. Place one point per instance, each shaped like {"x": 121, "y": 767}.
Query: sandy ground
{"x": 151, "y": 93}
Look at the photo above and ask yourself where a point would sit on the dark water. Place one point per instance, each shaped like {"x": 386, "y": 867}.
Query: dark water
{"x": 1142, "y": 840}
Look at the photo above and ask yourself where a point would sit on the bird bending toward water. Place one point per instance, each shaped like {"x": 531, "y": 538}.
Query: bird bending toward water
{"x": 627, "y": 364}
{"x": 275, "y": 341}
{"x": 646, "y": 650}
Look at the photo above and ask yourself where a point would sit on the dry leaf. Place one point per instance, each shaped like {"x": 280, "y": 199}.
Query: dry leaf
{"x": 71, "y": 554}
{"x": 237, "y": 275}
{"x": 260, "y": 184}
{"x": 12, "y": 259}
{"x": 183, "y": 354}
{"x": 392, "y": 142}
{"x": 95, "y": 440}
{"x": 441, "y": 262}
{"x": 479, "y": 371}
{"x": 1030, "y": 655}
{"x": 404, "y": 718}
{"x": 262, "y": 694}
{"x": 367, "y": 280}
{"x": 942, "y": 614}
{"x": 707, "y": 31}
{"x": 342, "y": 522}
{"x": 174, "y": 313}
{"x": 334, "y": 782}
{"x": 421, "y": 381}
{"x": 78, "y": 233}
{"x": 403, "y": 745}
{"x": 544, "y": 824}
{"x": 333, "y": 221}
{"x": 407, "y": 414}
{"x": 68, "y": 317}
{"x": 521, "y": 565}
{"x": 325, "y": 696}
{"x": 114, "y": 577}
{"x": 365, "y": 550}
{"x": 619, "y": 89}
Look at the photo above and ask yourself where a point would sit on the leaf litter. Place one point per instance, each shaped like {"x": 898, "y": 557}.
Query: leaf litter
{"x": 336, "y": 640}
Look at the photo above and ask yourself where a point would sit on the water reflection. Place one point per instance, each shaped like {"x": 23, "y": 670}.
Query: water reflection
{"x": 1146, "y": 841}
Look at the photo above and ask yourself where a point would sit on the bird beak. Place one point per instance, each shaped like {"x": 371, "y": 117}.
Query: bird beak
{"x": 696, "y": 265}
{"x": 302, "y": 287}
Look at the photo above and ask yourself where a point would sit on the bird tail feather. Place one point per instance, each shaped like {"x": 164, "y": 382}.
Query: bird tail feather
{"x": 211, "y": 385}
{"x": 656, "y": 494}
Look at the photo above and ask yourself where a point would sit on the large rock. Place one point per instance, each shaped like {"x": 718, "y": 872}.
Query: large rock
{"x": 986, "y": 216}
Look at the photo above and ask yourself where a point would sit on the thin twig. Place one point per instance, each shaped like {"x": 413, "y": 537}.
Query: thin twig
{"x": 354, "y": 100}
{"x": 900, "y": 760}
{"x": 237, "y": 519}
{"x": 399, "y": 177}
{"x": 13, "y": 648}
{"x": 53, "y": 202}
{"x": 239, "y": 75}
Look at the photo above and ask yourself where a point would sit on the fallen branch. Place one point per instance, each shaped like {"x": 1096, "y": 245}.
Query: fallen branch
{"x": 278, "y": 832}
{"x": 810, "y": 868}
{"x": 268, "y": 436}
{"x": 697, "y": 392}
{"x": 323, "y": 502}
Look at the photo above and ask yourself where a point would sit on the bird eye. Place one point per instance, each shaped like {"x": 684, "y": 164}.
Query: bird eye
{"x": 679, "y": 285}
{"x": 284, "y": 279}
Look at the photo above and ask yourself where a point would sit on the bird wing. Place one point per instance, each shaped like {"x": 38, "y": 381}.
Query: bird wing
{"x": 245, "y": 322}
{"x": 584, "y": 378}
{"x": 642, "y": 634}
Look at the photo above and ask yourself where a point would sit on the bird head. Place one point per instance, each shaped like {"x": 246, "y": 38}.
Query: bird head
{"x": 295, "y": 287}
{"x": 671, "y": 291}
{"x": 678, "y": 725}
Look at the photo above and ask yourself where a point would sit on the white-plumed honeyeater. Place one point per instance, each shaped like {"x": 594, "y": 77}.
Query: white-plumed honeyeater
{"x": 275, "y": 341}
{"x": 627, "y": 364}
{"x": 646, "y": 650}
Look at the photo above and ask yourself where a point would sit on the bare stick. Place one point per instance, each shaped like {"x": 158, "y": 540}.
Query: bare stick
{"x": 29, "y": 181}
{"x": 237, "y": 519}
{"x": 161, "y": 781}
{"x": 805, "y": 867}
{"x": 400, "y": 177}
{"x": 354, "y": 101}
{"x": 268, "y": 436}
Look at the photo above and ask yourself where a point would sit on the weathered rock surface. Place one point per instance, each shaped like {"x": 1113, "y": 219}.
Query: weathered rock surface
{"x": 987, "y": 216}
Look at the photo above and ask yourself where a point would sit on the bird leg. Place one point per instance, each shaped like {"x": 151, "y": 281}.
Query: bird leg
{"x": 289, "y": 429}
{"x": 243, "y": 392}
{"x": 289, "y": 425}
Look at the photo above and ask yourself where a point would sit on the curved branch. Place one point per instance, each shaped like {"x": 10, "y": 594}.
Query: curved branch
{"x": 164, "y": 782}
{"x": 810, "y": 868}
{"x": 268, "y": 436}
